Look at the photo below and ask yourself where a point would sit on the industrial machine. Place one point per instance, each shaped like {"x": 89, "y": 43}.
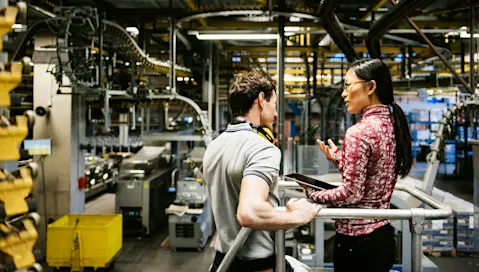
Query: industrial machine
{"x": 142, "y": 192}
{"x": 190, "y": 219}
{"x": 101, "y": 175}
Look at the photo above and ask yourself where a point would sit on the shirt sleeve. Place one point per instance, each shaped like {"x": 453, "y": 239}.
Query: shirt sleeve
{"x": 353, "y": 162}
{"x": 263, "y": 161}
{"x": 337, "y": 159}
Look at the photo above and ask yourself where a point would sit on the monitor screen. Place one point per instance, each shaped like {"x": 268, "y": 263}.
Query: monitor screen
{"x": 40, "y": 147}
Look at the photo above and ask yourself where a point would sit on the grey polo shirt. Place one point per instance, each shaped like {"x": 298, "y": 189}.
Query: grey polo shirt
{"x": 238, "y": 152}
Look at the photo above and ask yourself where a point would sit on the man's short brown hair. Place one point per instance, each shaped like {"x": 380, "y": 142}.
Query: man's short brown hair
{"x": 246, "y": 88}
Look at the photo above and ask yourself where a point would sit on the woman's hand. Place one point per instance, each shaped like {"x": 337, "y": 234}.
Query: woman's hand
{"x": 327, "y": 150}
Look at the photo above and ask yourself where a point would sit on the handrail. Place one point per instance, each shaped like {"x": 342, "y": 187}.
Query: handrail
{"x": 237, "y": 244}
{"x": 417, "y": 216}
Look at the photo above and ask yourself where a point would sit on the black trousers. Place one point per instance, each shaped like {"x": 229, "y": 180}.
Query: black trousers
{"x": 239, "y": 265}
{"x": 374, "y": 252}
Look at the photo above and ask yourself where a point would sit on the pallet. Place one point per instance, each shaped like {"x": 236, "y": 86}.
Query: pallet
{"x": 451, "y": 253}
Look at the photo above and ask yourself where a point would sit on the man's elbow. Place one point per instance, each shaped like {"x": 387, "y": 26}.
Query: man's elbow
{"x": 245, "y": 219}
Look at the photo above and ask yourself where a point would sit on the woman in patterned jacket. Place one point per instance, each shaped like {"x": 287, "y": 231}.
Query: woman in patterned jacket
{"x": 376, "y": 151}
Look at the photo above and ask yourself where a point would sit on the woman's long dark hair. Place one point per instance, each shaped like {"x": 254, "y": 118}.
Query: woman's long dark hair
{"x": 375, "y": 69}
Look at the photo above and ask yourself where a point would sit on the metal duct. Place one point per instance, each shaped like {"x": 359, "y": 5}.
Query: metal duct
{"x": 383, "y": 24}
{"x": 332, "y": 26}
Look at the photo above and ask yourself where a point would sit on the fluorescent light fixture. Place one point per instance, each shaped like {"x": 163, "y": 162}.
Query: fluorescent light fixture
{"x": 294, "y": 19}
{"x": 300, "y": 78}
{"x": 292, "y": 28}
{"x": 237, "y": 36}
{"x": 363, "y": 9}
{"x": 133, "y": 30}
{"x": 465, "y": 35}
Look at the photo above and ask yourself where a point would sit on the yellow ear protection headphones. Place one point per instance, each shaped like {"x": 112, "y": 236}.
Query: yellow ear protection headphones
{"x": 264, "y": 132}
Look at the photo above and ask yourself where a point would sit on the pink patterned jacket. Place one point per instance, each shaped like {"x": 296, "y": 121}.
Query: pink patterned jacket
{"x": 367, "y": 164}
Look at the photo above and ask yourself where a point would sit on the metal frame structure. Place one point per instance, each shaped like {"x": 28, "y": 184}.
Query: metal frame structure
{"x": 416, "y": 216}
{"x": 207, "y": 130}
{"x": 447, "y": 119}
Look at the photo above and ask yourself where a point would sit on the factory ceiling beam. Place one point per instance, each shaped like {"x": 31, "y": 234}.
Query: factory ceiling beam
{"x": 382, "y": 25}
{"x": 378, "y": 4}
{"x": 193, "y": 7}
{"x": 443, "y": 59}
{"x": 332, "y": 25}
{"x": 227, "y": 13}
{"x": 385, "y": 49}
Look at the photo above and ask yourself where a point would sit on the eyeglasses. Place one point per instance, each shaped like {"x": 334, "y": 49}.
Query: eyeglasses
{"x": 346, "y": 85}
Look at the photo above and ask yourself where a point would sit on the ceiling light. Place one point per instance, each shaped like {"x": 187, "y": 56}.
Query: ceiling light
{"x": 17, "y": 26}
{"x": 237, "y": 36}
{"x": 294, "y": 19}
{"x": 465, "y": 35}
{"x": 133, "y": 30}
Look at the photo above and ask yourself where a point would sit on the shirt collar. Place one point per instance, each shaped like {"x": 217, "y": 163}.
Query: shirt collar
{"x": 382, "y": 110}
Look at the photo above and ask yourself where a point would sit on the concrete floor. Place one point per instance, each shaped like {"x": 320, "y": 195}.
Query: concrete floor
{"x": 153, "y": 254}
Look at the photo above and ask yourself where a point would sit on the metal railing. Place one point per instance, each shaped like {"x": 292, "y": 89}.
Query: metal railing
{"x": 416, "y": 216}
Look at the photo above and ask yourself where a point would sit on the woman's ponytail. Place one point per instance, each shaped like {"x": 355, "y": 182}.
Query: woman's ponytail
{"x": 403, "y": 141}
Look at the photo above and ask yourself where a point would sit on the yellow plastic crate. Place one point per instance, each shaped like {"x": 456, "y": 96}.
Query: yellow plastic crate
{"x": 100, "y": 240}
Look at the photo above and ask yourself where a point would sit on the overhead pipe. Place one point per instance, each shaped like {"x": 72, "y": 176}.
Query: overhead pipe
{"x": 333, "y": 27}
{"x": 383, "y": 24}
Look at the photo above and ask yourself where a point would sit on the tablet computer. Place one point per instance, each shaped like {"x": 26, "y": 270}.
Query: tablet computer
{"x": 310, "y": 182}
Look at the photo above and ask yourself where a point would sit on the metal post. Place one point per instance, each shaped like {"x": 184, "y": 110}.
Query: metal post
{"x": 148, "y": 119}
{"x": 172, "y": 55}
{"x": 410, "y": 60}
{"x": 463, "y": 57}
{"x": 106, "y": 109}
{"x": 472, "y": 49}
{"x": 315, "y": 90}
{"x": 281, "y": 44}
{"x": 100, "y": 66}
{"x": 403, "y": 62}
{"x": 123, "y": 130}
{"x": 280, "y": 246}
{"x": 142, "y": 121}
{"x": 217, "y": 90}
{"x": 319, "y": 242}
{"x": 417, "y": 228}
{"x": 210, "y": 85}
{"x": 306, "y": 124}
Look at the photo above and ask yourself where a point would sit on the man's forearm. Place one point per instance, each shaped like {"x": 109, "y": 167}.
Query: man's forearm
{"x": 263, "y": 216}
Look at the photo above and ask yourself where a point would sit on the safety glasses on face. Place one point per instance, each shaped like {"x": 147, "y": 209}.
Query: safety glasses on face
{"x": 347, "y": 85}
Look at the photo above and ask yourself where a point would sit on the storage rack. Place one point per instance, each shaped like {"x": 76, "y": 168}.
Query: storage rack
{"x": 18, "y": 233}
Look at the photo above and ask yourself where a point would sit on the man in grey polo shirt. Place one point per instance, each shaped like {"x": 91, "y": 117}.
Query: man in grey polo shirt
{"x": 241, "y": 169}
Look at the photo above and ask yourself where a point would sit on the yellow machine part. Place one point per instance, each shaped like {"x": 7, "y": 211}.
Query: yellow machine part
{"x": 11, "y": 137}
{"x": 84, "y": 240}
{"x": 8, "y": 82}
{"x": 8, "y": 20}
{"x": 19, "y": 245}
{"x": 13, "y": 193}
